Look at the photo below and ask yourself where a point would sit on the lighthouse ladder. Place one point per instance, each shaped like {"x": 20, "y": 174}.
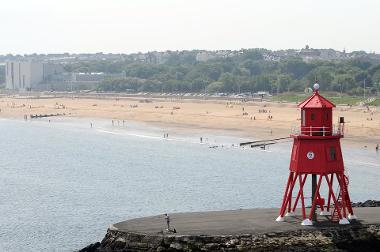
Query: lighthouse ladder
{"x": 335, "y": 215}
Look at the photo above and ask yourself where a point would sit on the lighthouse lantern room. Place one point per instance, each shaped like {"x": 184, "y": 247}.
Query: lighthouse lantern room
{"x": 317, "y": 154}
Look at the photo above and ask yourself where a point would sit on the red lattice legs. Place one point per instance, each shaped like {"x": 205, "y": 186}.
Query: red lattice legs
{"x": 346, "y": 201}
{"x": 315, "y": 197}
{"x": 287, "y": 195}
{"x": 341, "y": 209}
{"x": 330, "y": 192}
{"x": 329, "y": 183}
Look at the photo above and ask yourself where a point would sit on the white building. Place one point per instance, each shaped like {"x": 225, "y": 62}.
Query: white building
{"x": 205, "y": 56}
{"x": 23, "y": 75}
{"x": 94, "y": 77}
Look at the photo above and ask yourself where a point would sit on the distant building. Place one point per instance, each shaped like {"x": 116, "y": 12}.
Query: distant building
{"x": 94, "y": 77}
{"x": 23, "y": 75}
{"x": 210, "y": 55}
{"x": 28, "y": 75}
{"x": 87, "y": 77}
{"x": 205, "y": 56}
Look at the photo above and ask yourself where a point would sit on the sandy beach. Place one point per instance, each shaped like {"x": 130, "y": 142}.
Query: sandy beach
{"x": 258, "y": 120}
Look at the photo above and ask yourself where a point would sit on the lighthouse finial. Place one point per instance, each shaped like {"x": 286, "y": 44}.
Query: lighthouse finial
{"x": 316, "y": 85}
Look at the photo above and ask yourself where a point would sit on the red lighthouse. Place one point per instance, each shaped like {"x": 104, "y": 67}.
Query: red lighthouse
{"x": 317, "y": 154}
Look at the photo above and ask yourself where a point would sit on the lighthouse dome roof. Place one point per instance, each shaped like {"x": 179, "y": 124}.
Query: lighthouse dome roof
{"x": 316, "y": 101}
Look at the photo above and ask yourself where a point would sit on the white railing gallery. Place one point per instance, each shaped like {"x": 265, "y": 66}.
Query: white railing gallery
{"x": 318, "y": 131}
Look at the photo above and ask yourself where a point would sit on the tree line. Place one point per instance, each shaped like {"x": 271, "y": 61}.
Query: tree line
{"x": 248, "y": 72}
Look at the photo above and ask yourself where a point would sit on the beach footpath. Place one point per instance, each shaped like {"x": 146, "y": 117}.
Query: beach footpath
{"x": 242, "y": 230}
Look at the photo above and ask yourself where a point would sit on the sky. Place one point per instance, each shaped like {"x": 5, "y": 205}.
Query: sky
{"x": 128, "y": 26}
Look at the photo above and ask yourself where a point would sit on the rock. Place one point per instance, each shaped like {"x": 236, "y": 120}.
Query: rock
{"x": 367, "y": 203}
{"x": 211, "y": 246}
{"x": 91, "y": 248}
{"x": 327, "y": 239}
{"x": 176, "y": 246}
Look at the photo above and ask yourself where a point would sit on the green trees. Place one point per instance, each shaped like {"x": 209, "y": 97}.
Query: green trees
{"x": 324, "y": 75}
{"x": 215, "y": 87}
{"x": 296, "y": 68}
{"x": 247, "y": 71}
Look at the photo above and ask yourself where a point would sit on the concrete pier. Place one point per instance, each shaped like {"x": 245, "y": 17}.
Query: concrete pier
{"x": 234, "y": 222}
{"x": 242, "y": 230}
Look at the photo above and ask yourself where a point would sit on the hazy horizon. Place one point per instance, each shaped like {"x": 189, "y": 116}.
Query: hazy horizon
{"x": 131, "y": 26}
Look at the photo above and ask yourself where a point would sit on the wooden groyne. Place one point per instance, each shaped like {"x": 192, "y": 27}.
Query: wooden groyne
{"x": 32, "y": 116}
{"x": 263, "y": 143}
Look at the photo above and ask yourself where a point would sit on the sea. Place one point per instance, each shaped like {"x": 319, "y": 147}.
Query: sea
{"x": 63, "y": 182}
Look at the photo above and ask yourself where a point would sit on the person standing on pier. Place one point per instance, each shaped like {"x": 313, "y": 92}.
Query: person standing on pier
{"x": 167, "y": 218}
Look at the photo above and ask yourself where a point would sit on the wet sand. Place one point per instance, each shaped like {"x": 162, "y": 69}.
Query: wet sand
{"x": 248, "y": 119}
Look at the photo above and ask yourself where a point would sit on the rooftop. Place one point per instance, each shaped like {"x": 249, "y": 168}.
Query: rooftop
{"x": 316, "y": 100}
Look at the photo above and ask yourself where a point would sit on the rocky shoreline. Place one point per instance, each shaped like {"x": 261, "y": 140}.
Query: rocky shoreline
{"x": 356, "y": 237}
{"x": 367, "y": 203}
{"x": 351, "y": 238}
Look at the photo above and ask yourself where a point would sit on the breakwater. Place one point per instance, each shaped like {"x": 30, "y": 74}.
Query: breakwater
{"x": 241, "y": 230}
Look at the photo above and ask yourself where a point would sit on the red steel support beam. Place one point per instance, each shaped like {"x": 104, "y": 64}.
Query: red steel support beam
{"x": 299, "y": 192}
{"x": 290, "y": 179}
{"x": 333, "y": 197}
{"x": 315, "y": 197}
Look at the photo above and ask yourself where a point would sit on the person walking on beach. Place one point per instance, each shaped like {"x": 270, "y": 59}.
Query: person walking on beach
{"x": 91, "y": 125}
{"x": 377, "y": 147}
{"x": 201, "y": 139}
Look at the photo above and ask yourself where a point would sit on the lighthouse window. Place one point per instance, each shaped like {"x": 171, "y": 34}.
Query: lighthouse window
{"x": 312, "y": 117}
{"x": 332, "y": 153}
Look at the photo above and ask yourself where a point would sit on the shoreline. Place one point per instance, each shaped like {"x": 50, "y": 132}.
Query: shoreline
{"x": 178, "y": 132}
{"x": 247, "y": 120}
